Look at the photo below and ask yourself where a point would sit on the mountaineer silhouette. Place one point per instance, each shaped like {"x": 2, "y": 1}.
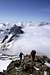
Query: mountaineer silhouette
{"x": 20, "y": 55}
{"x": 33, "y": 52}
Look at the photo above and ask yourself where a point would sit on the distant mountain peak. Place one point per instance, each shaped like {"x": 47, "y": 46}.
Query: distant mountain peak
{"x": 44, "y": 23}
{"x": 15, "y": 31}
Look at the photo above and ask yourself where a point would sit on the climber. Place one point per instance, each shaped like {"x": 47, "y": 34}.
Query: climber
{"x": 20, "y": 55}
{"x": 33, "y": 52}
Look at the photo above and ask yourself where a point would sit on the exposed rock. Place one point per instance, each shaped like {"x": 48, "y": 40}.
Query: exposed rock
{"x": 28, "y": 67}
{"x": 44, "y": 23}
{"x": 15, "y": 31}
{"x": 1, "y": 73}
{"x": 5, "y": 38}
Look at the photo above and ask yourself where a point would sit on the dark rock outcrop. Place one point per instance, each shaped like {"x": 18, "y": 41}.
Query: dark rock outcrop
{"x": 44, "y": 23}
{"x": 15, "y": 31}
{"x": 26, "y": 66}
{"x": 5, "y": 38}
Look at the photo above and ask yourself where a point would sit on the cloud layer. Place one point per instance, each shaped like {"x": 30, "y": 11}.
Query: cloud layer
{"x": 35, "y": 37}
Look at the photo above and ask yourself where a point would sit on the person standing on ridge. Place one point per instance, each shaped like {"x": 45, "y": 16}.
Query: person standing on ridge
{"x": 20, "y": 55}
{"x": 33, "y": 52}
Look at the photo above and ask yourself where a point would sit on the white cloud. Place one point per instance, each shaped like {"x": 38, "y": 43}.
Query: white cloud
{"x": 35, "y": 37}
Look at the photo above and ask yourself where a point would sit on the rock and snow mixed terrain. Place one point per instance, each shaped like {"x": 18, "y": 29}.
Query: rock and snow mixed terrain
{"x": 14, "y": 39}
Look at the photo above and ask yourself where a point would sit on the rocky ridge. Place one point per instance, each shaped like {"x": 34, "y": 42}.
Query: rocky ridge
{"x": 26, "y": 66}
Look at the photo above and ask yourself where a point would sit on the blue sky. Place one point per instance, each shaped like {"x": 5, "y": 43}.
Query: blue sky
{"x": 20, "y": 10}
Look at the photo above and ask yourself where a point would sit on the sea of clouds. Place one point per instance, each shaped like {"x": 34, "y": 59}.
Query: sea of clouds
{"x": 35, "y": 37}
